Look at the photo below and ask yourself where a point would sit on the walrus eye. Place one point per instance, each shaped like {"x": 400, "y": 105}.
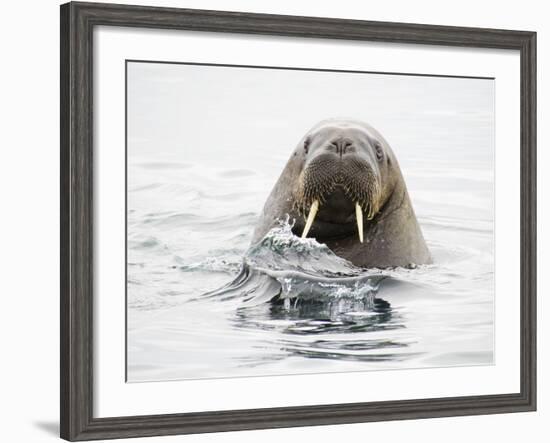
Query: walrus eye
{"x": 379, "y": 152}
{"x": 307, "y": 141}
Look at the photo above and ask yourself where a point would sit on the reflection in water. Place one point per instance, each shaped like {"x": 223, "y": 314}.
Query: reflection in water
{"x": 312, "y": 318}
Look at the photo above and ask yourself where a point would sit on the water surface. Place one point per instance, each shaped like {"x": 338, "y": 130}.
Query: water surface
{"x": 203, "y": 302}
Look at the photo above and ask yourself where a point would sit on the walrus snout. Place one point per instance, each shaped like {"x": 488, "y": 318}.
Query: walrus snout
{"x": 343, "y": 185}
{"x": 355, "y": 176}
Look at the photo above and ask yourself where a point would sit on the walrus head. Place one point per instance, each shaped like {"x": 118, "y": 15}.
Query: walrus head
{"x": 348, "y": 174}
{"x": 343, "y": 186}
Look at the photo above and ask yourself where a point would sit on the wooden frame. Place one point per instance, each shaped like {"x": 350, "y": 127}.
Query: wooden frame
{"x": 77, "y": 24}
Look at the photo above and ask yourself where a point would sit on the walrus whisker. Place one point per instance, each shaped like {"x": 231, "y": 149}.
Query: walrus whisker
{"x": 312, "y": 212}
{"x": 370, "y": 212}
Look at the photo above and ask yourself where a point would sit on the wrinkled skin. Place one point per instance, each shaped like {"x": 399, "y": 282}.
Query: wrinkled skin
{"x": 341, "y": 163}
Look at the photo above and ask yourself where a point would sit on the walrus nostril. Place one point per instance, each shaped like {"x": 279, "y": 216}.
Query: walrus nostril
{"x": 341, "y": 146}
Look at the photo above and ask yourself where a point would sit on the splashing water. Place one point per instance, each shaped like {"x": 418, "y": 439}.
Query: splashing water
{"x": 284, "y": 267}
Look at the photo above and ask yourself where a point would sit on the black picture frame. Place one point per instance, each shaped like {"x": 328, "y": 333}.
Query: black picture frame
{"x": 77, "y": 23}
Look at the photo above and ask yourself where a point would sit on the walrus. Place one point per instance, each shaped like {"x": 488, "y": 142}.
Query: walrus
{"x": 343, "y": 186}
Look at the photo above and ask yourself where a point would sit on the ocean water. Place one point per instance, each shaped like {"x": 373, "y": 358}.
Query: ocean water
{"x": 199, "y": 294}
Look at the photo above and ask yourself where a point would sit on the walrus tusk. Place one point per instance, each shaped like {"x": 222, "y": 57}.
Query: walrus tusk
{"x": 312, "y": 213}
{"x": 359, "y": 217}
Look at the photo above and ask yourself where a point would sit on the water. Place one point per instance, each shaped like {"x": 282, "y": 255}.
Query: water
{"x": 203, "y": 302}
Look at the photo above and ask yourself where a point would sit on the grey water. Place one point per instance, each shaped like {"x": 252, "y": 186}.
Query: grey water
{"x": 206, "y": 145}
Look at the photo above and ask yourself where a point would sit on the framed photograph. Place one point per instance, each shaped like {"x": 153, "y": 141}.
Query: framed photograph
{"x": 272, "y": 221}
